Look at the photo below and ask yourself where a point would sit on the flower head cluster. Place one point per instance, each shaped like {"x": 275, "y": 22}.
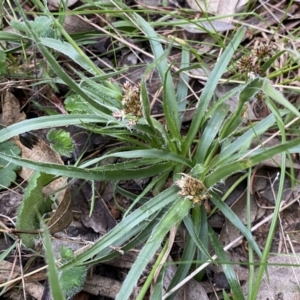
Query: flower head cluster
{"x": 131, "y": 104}
{"x": 192, "y": 189}
{"x": 262, "y": 52}
{"x": 260, "y": 96}
{"x": 245, "y": 64}
{"x": 131, "y": 100}
{"x": 252, "y": 63}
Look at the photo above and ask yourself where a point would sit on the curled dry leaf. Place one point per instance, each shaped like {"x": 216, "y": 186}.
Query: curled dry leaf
{"x": 75, "y": 24}
{"x": 62, "y": 217}
{"x": 41, "y": 152}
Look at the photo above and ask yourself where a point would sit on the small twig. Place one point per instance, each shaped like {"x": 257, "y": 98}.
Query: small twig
{"x": 21, "y": 268}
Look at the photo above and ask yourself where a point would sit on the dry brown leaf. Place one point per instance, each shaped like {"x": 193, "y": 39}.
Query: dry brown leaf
{"x": 56, "y": 3}
{"x": 281, "y": 280}
{"x": 75, "y": 24}
{"x": 99, "y": 285}
{"x": 208, "y": 26}
{"x": 216, "y": 7}
{"x": 8, "y": 271}
{"x": 41, "y": 152}
{"x": 10, "y": 109}
{"x": 101, "y": 219}
{"x": 11, "y": 271}
{"x": 192, "y": 290}
{"x": 62, "y": 217}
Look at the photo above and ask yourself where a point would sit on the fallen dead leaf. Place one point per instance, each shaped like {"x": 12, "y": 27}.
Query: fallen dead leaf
{"x": 41, "y": 152}
{"x": 192, "y": 290}
{"x": 282, "y": 281}
{"x": 10, "y": 271}
{"x": 75, "y": 24}
{"x": 62, "y": 217}
{"x": 57, "y": 3}
{"x": 101, "y": 219}
{"x": 99, "y": 285}
{"x": 217, "y": 7}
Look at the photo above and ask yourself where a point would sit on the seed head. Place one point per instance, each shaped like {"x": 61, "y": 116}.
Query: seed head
{"x": 192, "y": 189}
{"x": 262, "y": 52}
{"x": 256, "y": 69}
{"x": 245, "y": 63}
{"x": 260, "y": 96}
{"x": 131, "y": 100}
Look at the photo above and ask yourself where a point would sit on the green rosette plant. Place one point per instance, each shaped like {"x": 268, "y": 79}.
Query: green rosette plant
{"x": 197, "y": 161}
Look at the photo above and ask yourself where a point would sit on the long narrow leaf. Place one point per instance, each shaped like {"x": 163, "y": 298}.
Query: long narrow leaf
{"x": 227, "y": 268}
{"x": 68, "y": 50}
{"x": 210, "y": 88}
{"x": 56, "y": 67}
{"x": 232, "y": 217}
{"x": 188, "y": 252}
{"x": 48, "y": 122}
{"x": 101, "y": 173}
{"x": 225, "y": 170}
{"x": 7, "y": 251}
{"x": 151, "y": 153}
{"x": 175, "y": 214}
{"x": 182, "y": 89}
{"x": 211, "y": 130}
{"x": 170, "y": 104}
{"x": 54, "y": 283}
{"x": 126, "y": 226}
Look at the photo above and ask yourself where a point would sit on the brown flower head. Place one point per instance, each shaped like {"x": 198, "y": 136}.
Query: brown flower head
{"x": 260, "y": 96}
{"x": 256, "y": 69}
{"x": 245, "y": 63}
{"x": 131, "y": 100}
{"x": 192, "y": 189}
{"x": 262, "y": 52}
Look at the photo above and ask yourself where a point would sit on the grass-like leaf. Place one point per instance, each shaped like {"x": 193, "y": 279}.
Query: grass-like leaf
{"x": 48, "y": 121}
{"x": 227, "y": 268}
{"x": 232, "y": 217}
{"x": 125, "y": 229}
{"x": 170, "y": 103}
{"x": 210, "y": 132}
{"x": 210, "y": 88}
{"x": 54, "y": 282}
{"x": 68, "y": 49}
{"x": 175, "y": 214}
{"x": 107, "y": 172}
{"x": 228, "y": 169}
{"x": 189, "y": 251}
{"x": 7, "y": 251}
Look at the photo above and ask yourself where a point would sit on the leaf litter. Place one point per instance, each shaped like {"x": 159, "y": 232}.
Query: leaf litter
{"x": 260, "y": 29}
